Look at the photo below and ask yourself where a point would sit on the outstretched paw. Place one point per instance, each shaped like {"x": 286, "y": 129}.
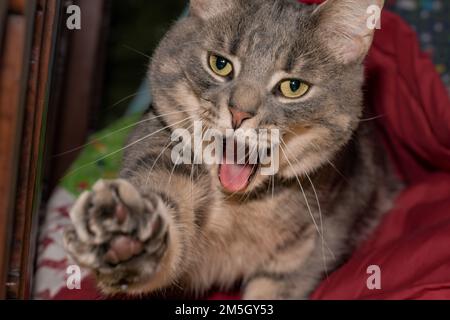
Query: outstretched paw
{"x": 118, "y": 233}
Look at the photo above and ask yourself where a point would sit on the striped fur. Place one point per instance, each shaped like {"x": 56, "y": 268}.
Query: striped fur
{"x": 282, "y": 234}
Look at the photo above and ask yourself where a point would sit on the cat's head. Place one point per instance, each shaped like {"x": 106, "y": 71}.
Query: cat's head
{"x": 267, "y": 64}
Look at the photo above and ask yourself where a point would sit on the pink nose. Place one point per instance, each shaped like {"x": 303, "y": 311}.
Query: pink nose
{"x": 238, "y": 116}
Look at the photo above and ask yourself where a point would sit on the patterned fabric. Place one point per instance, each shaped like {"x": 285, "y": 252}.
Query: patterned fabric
{"x": 431, "y": 20}
{"x": 52, "y": 261}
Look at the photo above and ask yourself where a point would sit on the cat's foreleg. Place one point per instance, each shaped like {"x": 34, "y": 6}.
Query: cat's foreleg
{"x": 135, "y": 236}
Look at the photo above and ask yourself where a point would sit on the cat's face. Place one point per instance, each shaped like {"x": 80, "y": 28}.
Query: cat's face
{"x": 267, "y": 64}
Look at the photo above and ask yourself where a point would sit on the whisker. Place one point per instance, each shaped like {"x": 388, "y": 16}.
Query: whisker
{"x": 124, "y": 99}
{"x": 249, "y": 193}
{"x": 373, "y": 118}
{"x": 173, "y": 170}
{"x": 119, "y": 130}
{"x": 273, "y": 185}
{"x": 337, "y": 170}
{"x": 306, "y": 198}
{"x": 329, "y": 161}
{"x": 137, "y": 51}
{"x": 302, "y": 189}
{"x": 156, "y": 161}
{"x": 269, "y": 184}
{"x": 324, "y": 258}
{"x": 126, "y": 147}
{"x": 315, "y": 146}
{"x": 204, "y": 129}
{"x": 250, "y": 152}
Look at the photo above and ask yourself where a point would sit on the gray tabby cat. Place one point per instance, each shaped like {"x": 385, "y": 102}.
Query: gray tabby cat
{"x": 260, "y": 64}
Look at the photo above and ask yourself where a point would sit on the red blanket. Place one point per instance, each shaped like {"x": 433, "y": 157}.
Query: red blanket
{"x": 412, "y": 245}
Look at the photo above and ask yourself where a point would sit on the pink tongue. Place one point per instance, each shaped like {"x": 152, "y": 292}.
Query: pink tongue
{"x": 235, "y": 177}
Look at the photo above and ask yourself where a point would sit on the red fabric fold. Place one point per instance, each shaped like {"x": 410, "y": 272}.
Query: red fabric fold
{"x": 411, "y": 246}
{"x": 406, "y": 91}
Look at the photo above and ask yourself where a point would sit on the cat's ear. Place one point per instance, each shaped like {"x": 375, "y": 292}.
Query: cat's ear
{"x": 347, "y": 27}
{"x": 207, "y": 9}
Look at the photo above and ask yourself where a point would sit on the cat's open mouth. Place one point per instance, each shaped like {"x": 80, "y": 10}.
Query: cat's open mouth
{"x": 236, "y": 174}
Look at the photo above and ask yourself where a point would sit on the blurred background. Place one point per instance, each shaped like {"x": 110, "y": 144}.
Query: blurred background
{"x": 431, "y": 20}
{"x": 135, "y": 30}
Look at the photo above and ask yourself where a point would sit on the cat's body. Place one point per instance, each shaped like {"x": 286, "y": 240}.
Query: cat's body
{"x": 187, "y": 226}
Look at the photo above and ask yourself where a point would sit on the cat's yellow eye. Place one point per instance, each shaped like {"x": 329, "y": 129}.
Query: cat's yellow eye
{"x": 293, "y": 88}
{"x": 220, "y": 66}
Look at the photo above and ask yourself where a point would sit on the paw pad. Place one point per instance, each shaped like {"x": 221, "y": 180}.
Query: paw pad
{"x": 123, "y": 248}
